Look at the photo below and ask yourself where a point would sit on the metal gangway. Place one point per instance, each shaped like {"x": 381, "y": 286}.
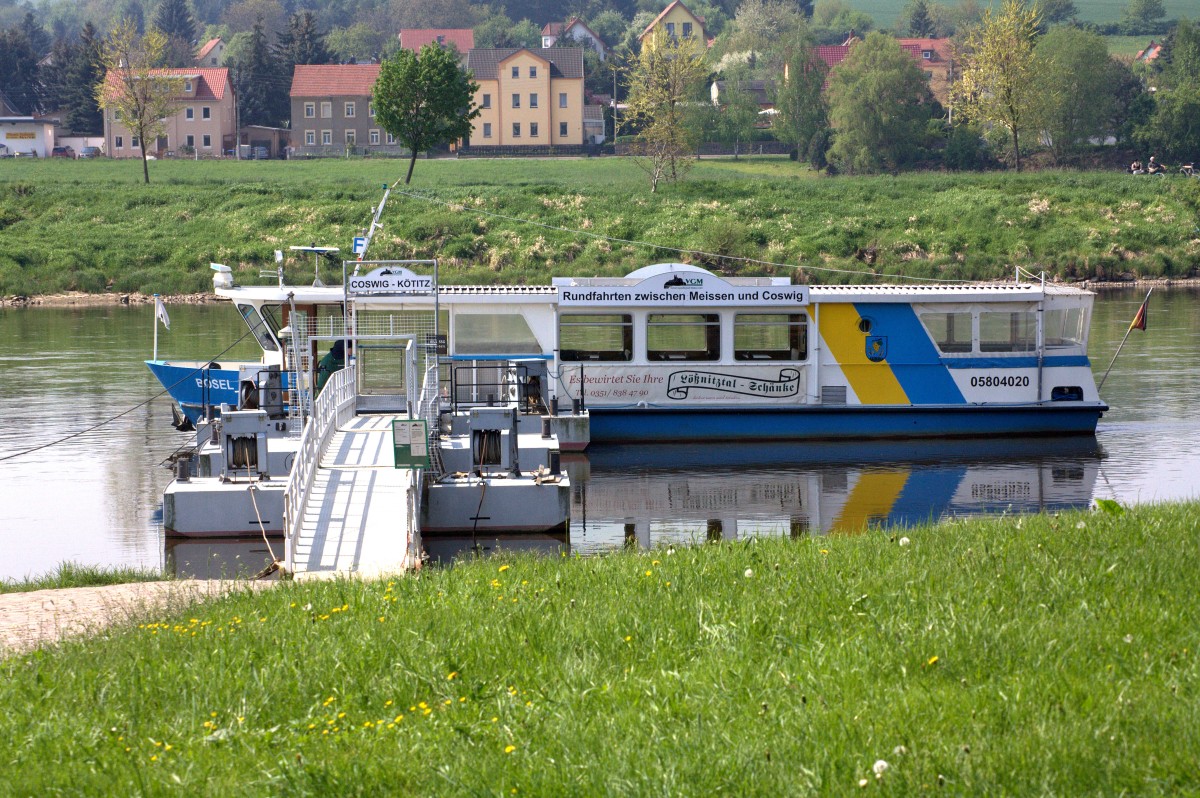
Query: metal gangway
{"x": 348, "y": 509}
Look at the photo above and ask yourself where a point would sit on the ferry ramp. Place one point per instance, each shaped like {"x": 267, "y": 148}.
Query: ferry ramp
{"x": 349, "y": 511}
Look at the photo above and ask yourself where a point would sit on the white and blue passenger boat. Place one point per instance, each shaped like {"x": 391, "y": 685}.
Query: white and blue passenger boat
{"x": 673, "y": 352}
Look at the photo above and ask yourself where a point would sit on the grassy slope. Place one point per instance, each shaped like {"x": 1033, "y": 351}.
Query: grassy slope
{"x": 86, "y": 224}
{"x": 1042, "y": 655}
{"x": 886, "y": 12}
{"x": 73, "y": 575}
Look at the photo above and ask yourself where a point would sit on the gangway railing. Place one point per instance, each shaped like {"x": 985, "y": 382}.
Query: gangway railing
{"x": 334, "y": 407}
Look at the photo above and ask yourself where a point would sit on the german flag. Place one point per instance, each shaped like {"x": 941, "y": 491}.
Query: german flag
{"x": 1139, "y": 319}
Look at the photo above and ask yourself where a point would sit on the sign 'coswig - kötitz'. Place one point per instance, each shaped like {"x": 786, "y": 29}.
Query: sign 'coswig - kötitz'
{"x": 390, "y": 280}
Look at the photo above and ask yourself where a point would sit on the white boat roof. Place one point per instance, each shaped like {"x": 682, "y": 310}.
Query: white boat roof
{"x": 943, "y": 292}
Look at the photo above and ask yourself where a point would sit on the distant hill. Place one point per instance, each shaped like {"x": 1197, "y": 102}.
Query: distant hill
{"x": 886, "y": 12}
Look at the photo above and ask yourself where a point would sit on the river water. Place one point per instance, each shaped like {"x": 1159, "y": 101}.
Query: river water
{"x": 94, "y": 498}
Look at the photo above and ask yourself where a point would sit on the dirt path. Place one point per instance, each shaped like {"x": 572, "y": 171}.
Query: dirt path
{"x": 42, "y": 617}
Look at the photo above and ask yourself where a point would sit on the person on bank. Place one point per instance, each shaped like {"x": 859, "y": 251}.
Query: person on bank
{"x": 334, "y": 360}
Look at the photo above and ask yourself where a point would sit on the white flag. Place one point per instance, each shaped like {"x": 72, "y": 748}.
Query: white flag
{"x": 160, "y": 312}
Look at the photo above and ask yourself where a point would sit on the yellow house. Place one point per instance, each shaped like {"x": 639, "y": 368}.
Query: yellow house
{"x": 677, "y": 22}
{"x": 528, "y": 97}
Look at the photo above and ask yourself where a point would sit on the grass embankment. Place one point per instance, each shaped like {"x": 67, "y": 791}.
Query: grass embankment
{"x": 1039, "y": 655}
{"x": 88, "y": 225}
{"x": 74, "y": 575}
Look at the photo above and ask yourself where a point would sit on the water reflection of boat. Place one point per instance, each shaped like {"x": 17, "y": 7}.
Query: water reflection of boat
{"x": 218, "y": 558}
{"x": 445, "y": 548}
{"x": 651, "y": 495}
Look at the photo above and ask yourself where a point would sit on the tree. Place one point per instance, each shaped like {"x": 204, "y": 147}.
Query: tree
{"x": 243, "y": 16}
{"x": 82, "y": 76}
{"x": 1140, "y": 17}
{"x": 39, "y": 40}
{"x": 174, "y": 20}
{"x": 360, "y": 43}
{"x": 739, "y": 110}
{"x": 1173, "y": 129}
{"x": 1056, "y": 11}
{"x": 920, "y": 23}
{"x": 424, "y": 99}
{"x": 800, "y": 101}
{"x": 257, "y": 80}
{"x": 18, "y": 65}
{"x": 139, "y": 93}
{"x": 1076, "y": 79}
{"x": 760, "y": 25}
{"x": 879, "y": 103}
{"x": 666, "y": 75}
{"x": 303, "y": 42}
{"x": 998, "y": 82}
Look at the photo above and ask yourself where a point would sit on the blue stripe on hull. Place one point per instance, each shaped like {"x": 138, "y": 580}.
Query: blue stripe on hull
{"x": 740, "y": 424}
{"x": 184, "y": 385}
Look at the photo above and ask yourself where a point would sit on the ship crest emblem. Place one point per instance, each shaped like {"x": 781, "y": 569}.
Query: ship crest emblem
{"x": 876, "y": 348}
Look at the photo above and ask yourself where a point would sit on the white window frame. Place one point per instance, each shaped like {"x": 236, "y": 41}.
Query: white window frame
{"x": 487, "y": 130}
{"x": 516, "y": 100}
{"x": 327, "y": 110}
{"x": 206, "y": 141}
{"x": 135, "y": 143}
{"x": 562, "y": 99}
{"x": 373, "y": 136}
{"x": 119, "y": 142}
{"x": 487, "y": 101}
{"x": 310, "y": 110}
{"x": 351, "y": 137}
{"x": 533, "y": 71}
{"x": 533, "y": 99}
{"x": 189, "y": 114}
{"x": 516, "y": 72}
{"x": 190, "y": 141}
{"x": 390, "y": 139}
{"x": 187, "y": 86}
{"x": 533, "y": 130}
{"x": 349, "y": 109}
{"x": 327, "y": 138}
{"x": 205, "y": 112}
{"x": 310, "y": 138}
{"x": 516, "y": 130}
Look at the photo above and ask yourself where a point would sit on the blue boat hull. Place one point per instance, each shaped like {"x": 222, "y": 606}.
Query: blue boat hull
{"x": 651, "y": 425}
{"x": 193, "y": 387}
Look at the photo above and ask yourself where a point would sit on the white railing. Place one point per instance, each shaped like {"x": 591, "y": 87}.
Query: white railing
{"x": 335, "y": 406}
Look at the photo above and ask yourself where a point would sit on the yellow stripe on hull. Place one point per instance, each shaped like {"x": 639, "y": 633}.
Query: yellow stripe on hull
{"x": 872, "y": 383}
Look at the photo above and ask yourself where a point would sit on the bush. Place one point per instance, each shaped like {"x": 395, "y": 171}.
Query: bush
{"x": 965, "y": 150}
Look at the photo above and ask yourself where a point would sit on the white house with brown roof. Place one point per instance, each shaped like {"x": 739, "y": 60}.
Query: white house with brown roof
{"x": 212, "y": 54}
{"x": 332, "y": 111}
{"x": 575, "y": 29}
{"x": 205, "y": 124}
{"x": 678, "y": 22}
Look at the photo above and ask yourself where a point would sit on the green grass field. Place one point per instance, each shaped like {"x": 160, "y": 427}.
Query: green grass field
{"x": 886, "y": 12}
{"x": 1045, "y": 655}
{"x": 73, "y": 575}
{"x": 93, "y": 226}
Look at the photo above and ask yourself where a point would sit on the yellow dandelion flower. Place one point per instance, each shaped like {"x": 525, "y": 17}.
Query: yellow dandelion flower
{"x": 423, "y": 705}
{"x": 628, "y": 638}
{"x": 502, "y": 568}
{"x": 167, "y": 747}
{"x": 824, "y": 551}
{"x": 312, "y": 726}
{"x": 154, "y": 758}
{"x": 462, "y": 699}
{"x": 212, "y": 714}
{"x": 932, "y": 660}
{"x": 341, "y": 715}
{"x": 655, "y": 562}
{"x": 387, "y": 703}
{"x": 451, "y": 675}
{"x": 494, "y": 719}
{"x": 428, "y": 711}
{"x": 397, "y": 719}
{"x": 508, "y": 749}
{"x": 649, "y": 572}
{"x": 448, "y": 702}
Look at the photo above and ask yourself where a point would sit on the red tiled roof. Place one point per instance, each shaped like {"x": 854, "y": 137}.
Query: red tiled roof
{"x": 553, "y": 28}
{"x": 941, "y": 47}
{"x": 334, "y": 80}
{"x": 207, "y": 48}
{"x": 211, "y": 82}
{"x": 666, "y": 11}
{"x": 416, "y": 38}
{"x": 834, "y": 54}
{"x": 1150, "y": 53}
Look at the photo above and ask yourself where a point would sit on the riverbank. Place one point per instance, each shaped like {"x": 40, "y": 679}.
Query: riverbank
{"x": 91, "y": 227}
{"x": 1030, "y": 655}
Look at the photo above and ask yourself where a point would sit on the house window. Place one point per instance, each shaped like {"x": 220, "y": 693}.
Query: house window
{"x": 374, "y": 136}
{"x": 562, "y": 128}
{"x": 390, "y": 139}
{"x": 687, "y": 30}
{"x": 516, "y": 72}
{"x": 533, "y": 130}
{"x": 927, "y": 54}
{"x": 206, "y": 142}
{"x": 327, "y": 137}
{"x": 349, "y": 110}
{"x": 135, "y": 142}
{"x": 487, "y": 101}
{"x": 562, "y": 99}
{"x": 487, "y": 130}
{"x": 205, "y": 112}
{"x": 533, "y": 100}
{"x": 671, "y": 29}
{"x": 596, "y": 337}
{"x": 371, "y": 110}
{"x": 187, "y": 86}
{"x": 310, "y": 137}
{"x": 770, "y": 336}
{"x": 516, "y": 130}
{"x": 189, "y": 114}
{"x": 120, "y": 142}
{"x": 326, "y": 110}
{"x": 191, "y": 140}
{"x": 310, "y": 110}
{"x": 533, "y": 72}
{"x": 683, "y": 336}
{"x": 351, "y": 136}
{"x": 516, "y": 101}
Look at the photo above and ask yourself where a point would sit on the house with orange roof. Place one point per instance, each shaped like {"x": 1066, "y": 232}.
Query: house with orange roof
{"x": 205, "y": 123}
{"x": 576, "y": 29}
{"x": 937, "y": 61}
{"x": 1150, "y": 53}
{"x": 332, "y": 111}
{"x": 462, "y": 39}
{"x": 212, "y": 54}
{"x": 678, "y": 22}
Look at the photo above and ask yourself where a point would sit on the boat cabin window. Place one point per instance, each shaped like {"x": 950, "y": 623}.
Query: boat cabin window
{"x": 494, "y": 334}
{"x": 1007, "y": 332}
{"x": 1065, "y": 327}
{"x": 259, "y": 327}
{"x": 950, "y": 331}
{"x": 603, "y": 337}
{"x": 770, "y": 336}
{"x": 683, "y": 336}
